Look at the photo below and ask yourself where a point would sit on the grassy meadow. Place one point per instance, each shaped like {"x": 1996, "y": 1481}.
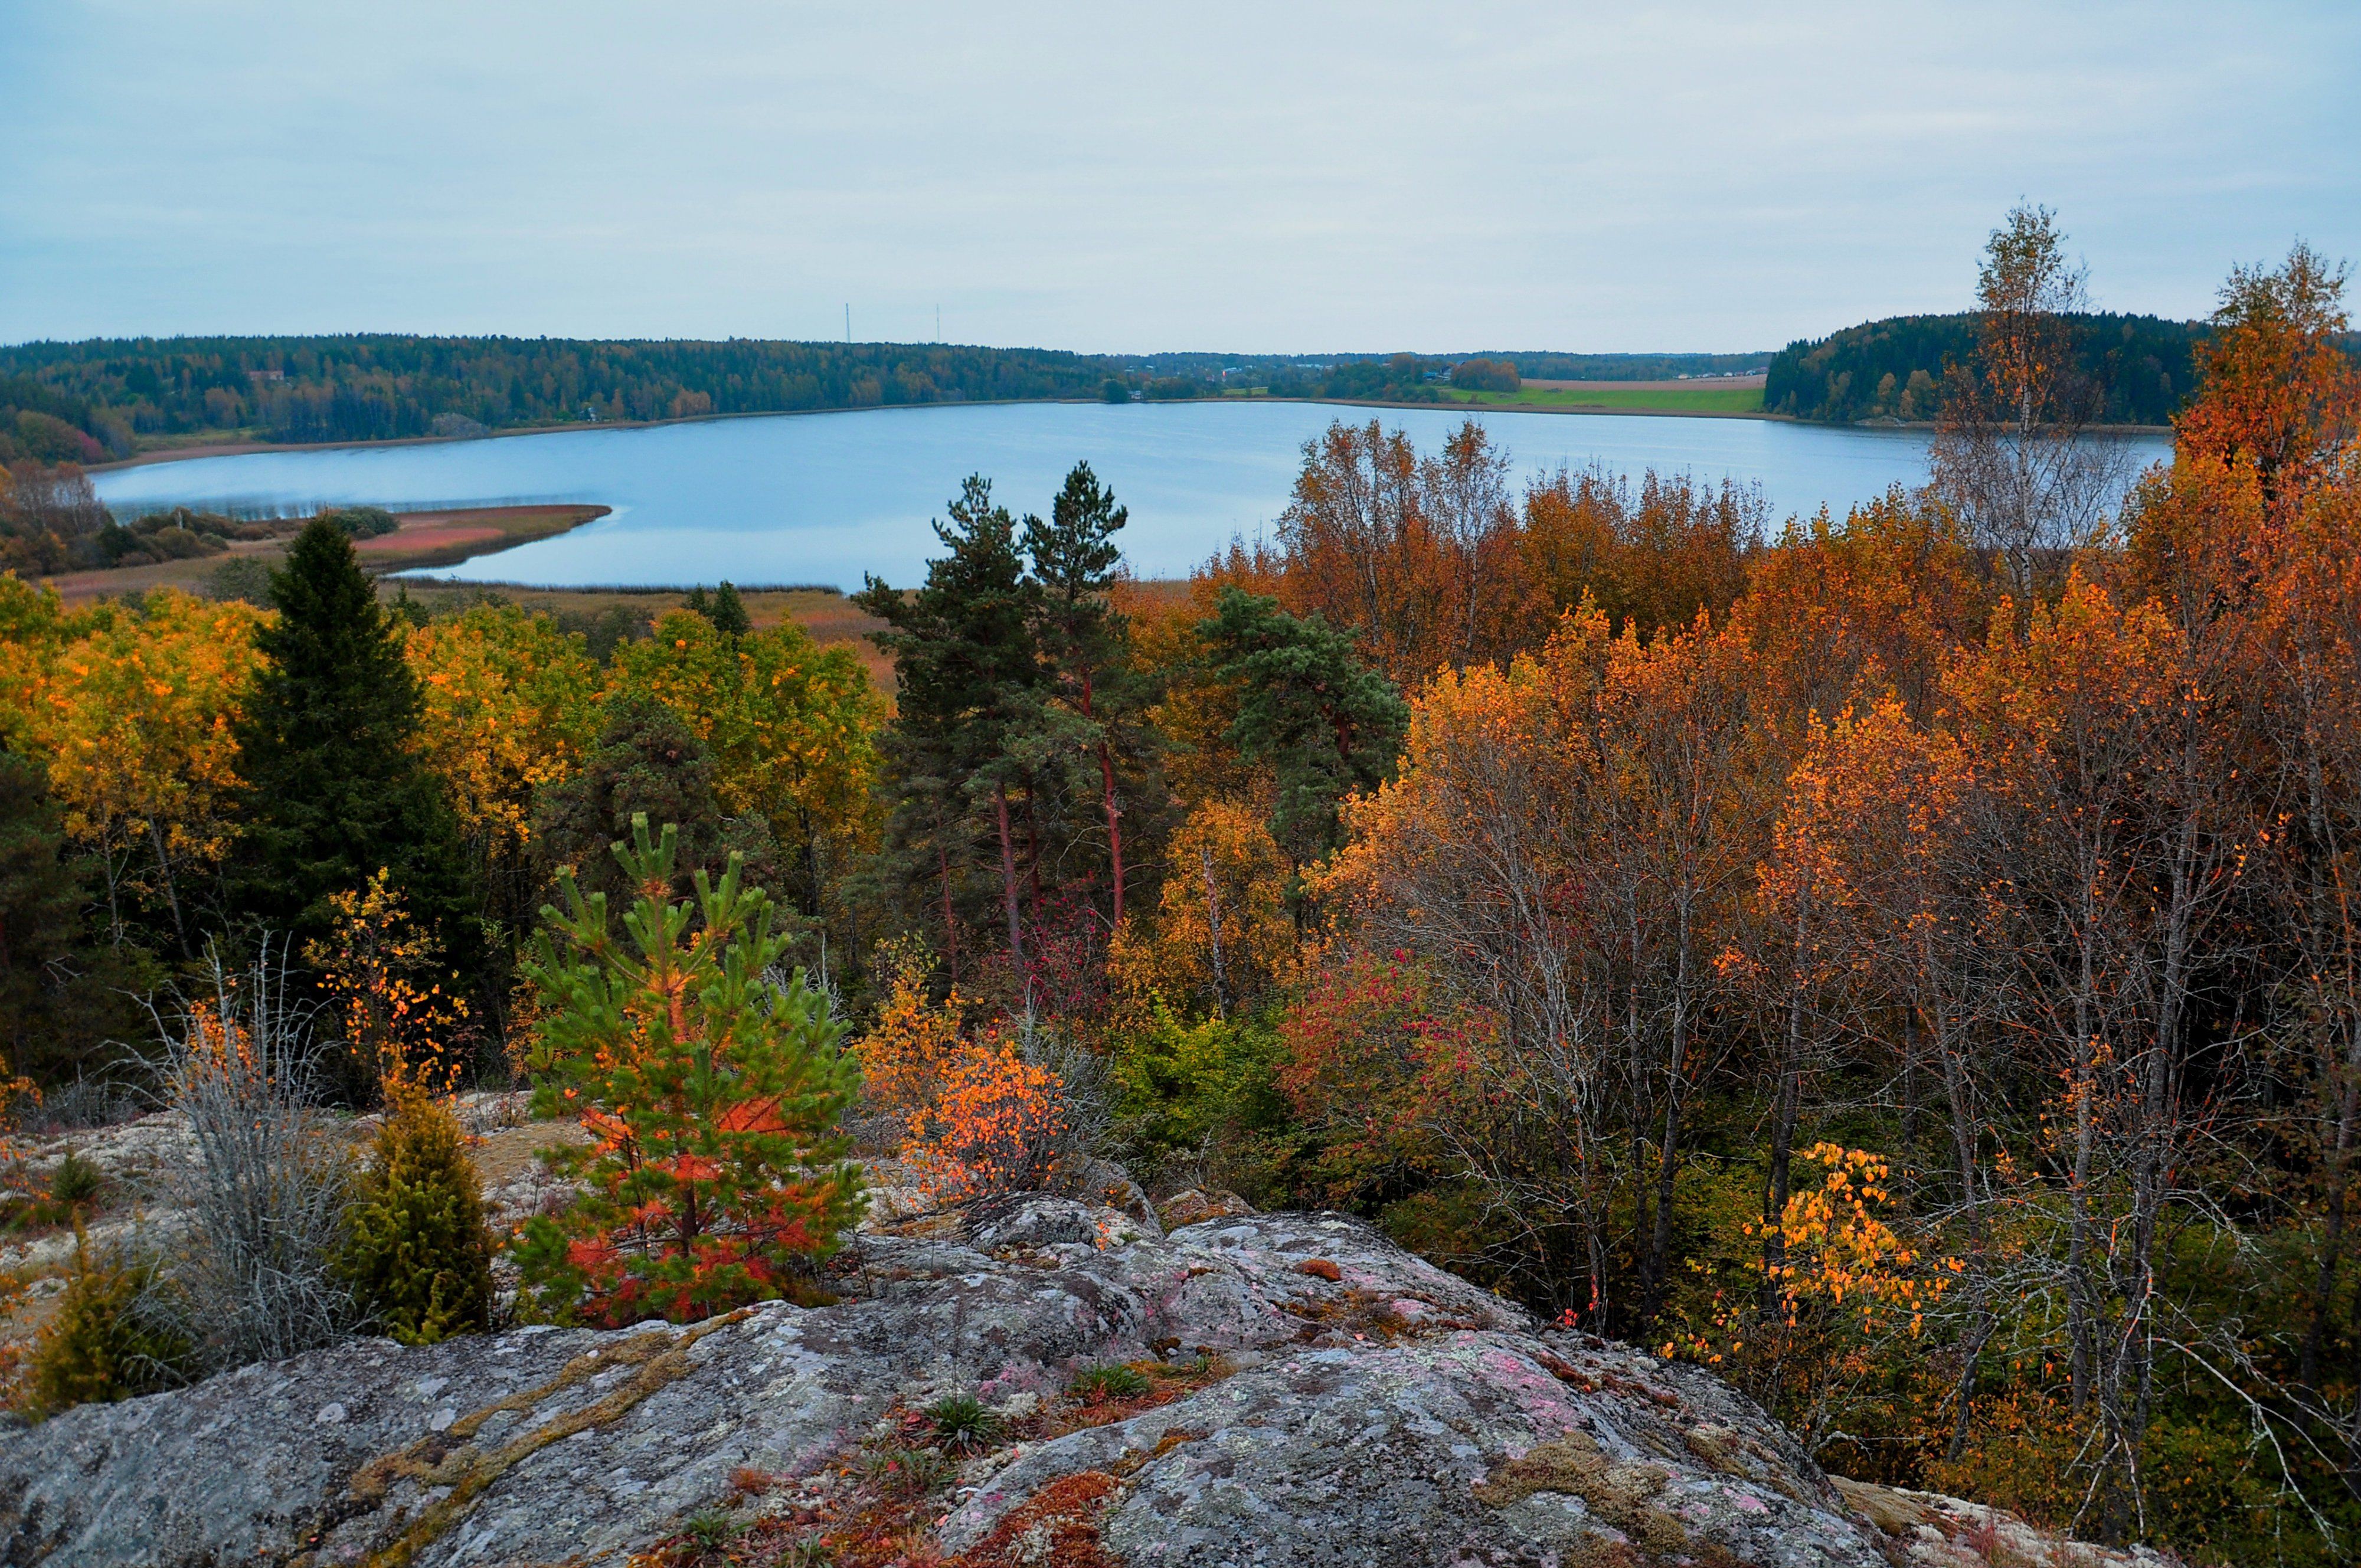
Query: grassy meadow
{"x": 1648, "y": 397}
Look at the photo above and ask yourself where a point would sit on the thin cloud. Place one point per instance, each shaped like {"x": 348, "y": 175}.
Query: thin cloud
{"x": 1302, "y": 179}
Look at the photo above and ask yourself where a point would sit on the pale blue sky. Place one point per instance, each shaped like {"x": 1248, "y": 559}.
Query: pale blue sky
{"x": 1260, "y": 176}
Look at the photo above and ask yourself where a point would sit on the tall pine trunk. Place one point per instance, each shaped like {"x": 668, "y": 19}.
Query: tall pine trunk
{"x": 1008, "y": 882}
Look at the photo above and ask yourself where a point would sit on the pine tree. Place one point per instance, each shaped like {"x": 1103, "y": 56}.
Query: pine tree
{"x": 1326, "y": 722}
{"x": 333, "y": 791}
{"x": 1087, "y": 644}
{"x": 418, "y": 1255}
{"x": 715, "y": 1097}
{"x": 966, "y": 667}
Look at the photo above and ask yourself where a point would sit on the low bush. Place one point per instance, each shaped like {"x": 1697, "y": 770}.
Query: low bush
{"x": 910, "y": 1471}
{"x": 102, "y": 1344}
{"x": 256, "y": 1278}
{"x": 361, "y": 523}
{"x": 73, "y": 1187}
{"x": 418, "y": 1253}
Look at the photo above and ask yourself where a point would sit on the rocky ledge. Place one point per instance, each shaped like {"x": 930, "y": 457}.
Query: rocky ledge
{"x": 1303, "y": 1392}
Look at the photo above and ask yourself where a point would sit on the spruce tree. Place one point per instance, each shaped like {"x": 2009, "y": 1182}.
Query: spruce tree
{"x": 65, "y": 991}
{"x": 40, "y": 905}
{"x": 333, "y": 791}
{"x": 418, "y": 1255}
{"x": 728, "y": 612}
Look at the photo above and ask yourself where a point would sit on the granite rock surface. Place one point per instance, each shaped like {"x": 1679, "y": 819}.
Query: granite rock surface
{"x": 1333, "y": 1400}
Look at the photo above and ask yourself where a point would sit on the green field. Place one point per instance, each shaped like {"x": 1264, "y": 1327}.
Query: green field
{"x": 1670, "y": 400}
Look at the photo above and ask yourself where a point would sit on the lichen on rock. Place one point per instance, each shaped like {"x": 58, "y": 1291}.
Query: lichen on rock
{"x": 1392, "y": 1414}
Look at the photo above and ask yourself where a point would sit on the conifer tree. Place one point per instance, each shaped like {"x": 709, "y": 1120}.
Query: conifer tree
{"x": 40, "y": 899}
{"x": 646, "y": 763}
{"x": 967, "y": 665}
{"x": 1086, "y": 643}
{"x": 333, "y": 791}
{"x": 714, "y": 1095}
{"x": 418, "y": 1255}
{"x": 729, "y": 612}
{"x": 1326, "y": 723}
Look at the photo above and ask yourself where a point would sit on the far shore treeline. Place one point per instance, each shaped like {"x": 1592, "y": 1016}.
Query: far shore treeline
{"x": 102, "y": 399}
{"x": 2132, "y": 369}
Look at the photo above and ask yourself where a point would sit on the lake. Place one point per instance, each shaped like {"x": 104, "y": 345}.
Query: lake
{"x": 821, "y": 498}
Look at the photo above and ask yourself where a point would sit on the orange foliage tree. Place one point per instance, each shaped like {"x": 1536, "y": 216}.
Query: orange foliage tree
{"x": 2279, "y": 391}
{"x": 972, "y": 1116}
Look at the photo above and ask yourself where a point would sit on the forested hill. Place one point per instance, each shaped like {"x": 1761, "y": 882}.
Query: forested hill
{"x": 127, "y": 393}
{"x": 376, "y": 388}
{"x": 1894, "y": 368}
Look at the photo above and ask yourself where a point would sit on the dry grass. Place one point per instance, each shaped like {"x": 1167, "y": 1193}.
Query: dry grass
{"x": 423, "y": 539}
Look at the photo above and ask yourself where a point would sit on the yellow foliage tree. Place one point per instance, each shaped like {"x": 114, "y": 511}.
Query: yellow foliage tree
{"x": 378, "y": 972}
{"x": 791, "y": 727}
{"x": 1223, "y": 935}
{"x": 511, "y": 702}
{"x": 136, "y": 717}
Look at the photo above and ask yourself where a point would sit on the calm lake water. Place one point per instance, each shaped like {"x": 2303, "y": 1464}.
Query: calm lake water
{"x": 825, "y": 497}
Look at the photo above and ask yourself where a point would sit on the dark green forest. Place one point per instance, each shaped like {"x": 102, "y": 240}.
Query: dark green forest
{"x": 2139, "y": 367}
{"x": 385, "y": 387}
{"x": 90, "y": 402}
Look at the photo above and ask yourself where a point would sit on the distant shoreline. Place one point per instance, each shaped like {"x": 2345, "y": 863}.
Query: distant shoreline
{"x": 421, "y": 541}
{"x": 249, "y": 448}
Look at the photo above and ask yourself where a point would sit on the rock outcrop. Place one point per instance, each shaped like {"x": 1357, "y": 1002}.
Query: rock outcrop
{"x": 1297, "y": 1390}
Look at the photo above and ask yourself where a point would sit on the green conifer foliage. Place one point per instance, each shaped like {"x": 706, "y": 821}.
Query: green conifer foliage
{"x": 63, "y": 994}
{"x": 99, "y": 1347}
{"x": 967, "y": 669}
{"x": 418, "y": 1257}
{"x": 335, "y": 790}
{"x": 729, "y": 612}
{"x": 1086, "y": 643}
{"x": 646, "y": 763}
{"x": 40, "y": 898}
{"x": 1326, "y": 722}
{"x": 714, "y": 1094}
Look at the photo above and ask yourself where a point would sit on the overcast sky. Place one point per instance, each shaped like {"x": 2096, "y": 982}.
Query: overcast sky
{"x": 1257, "y": 177}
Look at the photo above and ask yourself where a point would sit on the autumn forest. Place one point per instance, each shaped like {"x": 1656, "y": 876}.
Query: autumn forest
{"x": 1904, "y": 960}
